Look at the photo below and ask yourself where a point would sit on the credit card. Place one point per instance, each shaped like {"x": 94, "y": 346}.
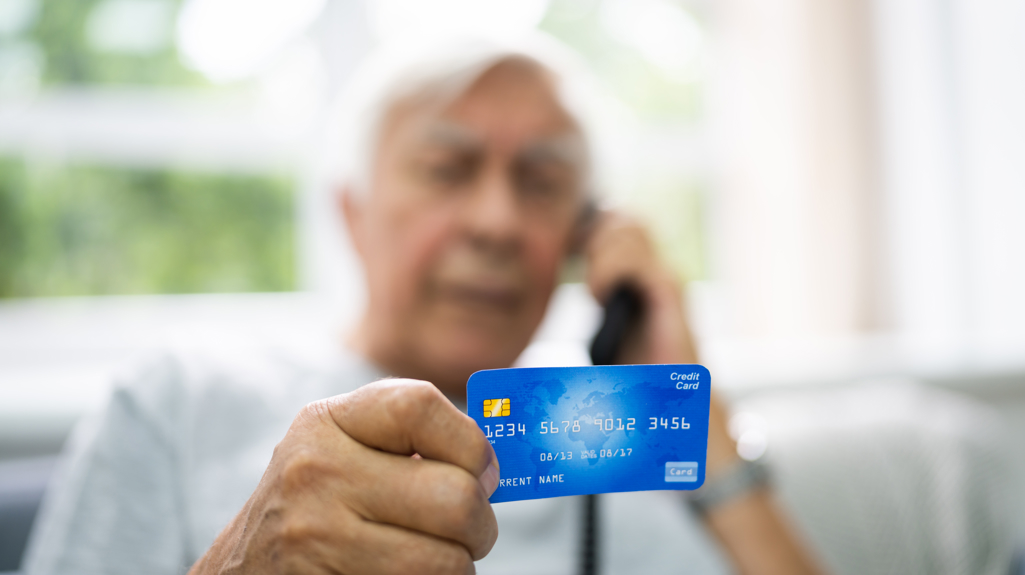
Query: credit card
{"x": 596, "y": 429}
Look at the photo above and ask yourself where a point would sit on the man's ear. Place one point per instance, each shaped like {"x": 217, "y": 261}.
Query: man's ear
{"x": 353, "y": 209}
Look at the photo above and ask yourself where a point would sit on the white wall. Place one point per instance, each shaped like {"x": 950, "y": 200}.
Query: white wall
{"x": 952, "y": 102}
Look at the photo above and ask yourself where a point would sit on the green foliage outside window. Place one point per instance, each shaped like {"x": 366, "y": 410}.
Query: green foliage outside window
{"x": 92, "y": 230}
{"x": 60, "y": 32}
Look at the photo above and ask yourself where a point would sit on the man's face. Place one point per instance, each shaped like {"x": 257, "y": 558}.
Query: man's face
{"x": 471, "y": 211}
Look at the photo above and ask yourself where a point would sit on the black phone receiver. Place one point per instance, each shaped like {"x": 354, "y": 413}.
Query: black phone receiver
{"x": 622, "y": 312}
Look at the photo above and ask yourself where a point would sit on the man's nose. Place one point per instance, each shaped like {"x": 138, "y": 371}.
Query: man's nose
{"x": 493, "y": 217}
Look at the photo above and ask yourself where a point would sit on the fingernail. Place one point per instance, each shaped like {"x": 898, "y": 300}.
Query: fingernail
{"x": 489, "y": 479}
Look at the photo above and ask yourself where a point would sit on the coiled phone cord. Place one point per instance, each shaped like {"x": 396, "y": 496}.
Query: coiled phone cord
{"x": 622, "y": 311}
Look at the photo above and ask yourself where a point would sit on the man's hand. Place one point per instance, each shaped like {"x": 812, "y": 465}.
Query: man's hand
{"x": 391, "y": 478}
{"x": 620, "y": 250}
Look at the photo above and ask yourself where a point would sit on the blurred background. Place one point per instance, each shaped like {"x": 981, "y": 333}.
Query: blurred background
{"x": 841, "y": 183}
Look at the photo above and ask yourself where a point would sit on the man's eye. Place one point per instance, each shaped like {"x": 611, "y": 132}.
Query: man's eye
{"x": 542, "y": 185}
{"x": 449, "y": 174}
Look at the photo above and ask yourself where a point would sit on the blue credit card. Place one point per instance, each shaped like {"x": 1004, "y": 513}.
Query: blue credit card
{"x": 597, "y": 429}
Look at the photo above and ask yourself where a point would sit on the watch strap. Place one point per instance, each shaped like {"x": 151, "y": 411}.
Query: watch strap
{"x": 739, "y": 479}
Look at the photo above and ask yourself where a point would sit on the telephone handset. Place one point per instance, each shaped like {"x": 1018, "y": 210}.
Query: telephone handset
{"x": 622, "y": 312}
{"x": 623, "y": 309}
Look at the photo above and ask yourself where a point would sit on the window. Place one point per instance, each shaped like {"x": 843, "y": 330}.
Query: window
{"x": 147, "y": 147}
{"x": 125, "y": 171}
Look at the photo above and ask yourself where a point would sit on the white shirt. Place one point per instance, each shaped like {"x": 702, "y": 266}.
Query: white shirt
{"x": 147, "y": 484}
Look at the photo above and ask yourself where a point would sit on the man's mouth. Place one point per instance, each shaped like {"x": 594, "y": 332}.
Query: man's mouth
{"x": 490, "y": 297}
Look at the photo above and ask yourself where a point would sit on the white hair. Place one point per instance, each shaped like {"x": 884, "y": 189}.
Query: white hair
{"x": 439, "y": 72}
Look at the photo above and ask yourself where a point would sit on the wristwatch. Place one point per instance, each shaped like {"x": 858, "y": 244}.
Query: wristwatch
{"x": 739, "y": 479}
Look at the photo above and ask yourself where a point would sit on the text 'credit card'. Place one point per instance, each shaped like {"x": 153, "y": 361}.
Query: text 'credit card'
{"x": 597, "y": 429}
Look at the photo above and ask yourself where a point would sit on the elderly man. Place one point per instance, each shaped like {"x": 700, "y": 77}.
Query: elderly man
{"x": 473, "y": 191}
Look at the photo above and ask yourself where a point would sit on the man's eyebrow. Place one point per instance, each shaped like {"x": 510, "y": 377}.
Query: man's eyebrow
{"x": 451, "y": 134}
{"x": 565, "y": 148}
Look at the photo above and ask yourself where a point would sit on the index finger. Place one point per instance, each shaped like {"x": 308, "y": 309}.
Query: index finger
{"x": 407, "y": 416}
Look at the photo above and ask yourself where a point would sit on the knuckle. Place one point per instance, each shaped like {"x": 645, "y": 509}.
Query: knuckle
{"x": 310, "y": 413}
{"x": 311, "y": 409}
{"x": 423, "y": 391}
{"x": 302, "y": 471}
{"x": 414, "y": 398}
{"x": 300, "y": 532}
{"x": 295, "y": 535}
